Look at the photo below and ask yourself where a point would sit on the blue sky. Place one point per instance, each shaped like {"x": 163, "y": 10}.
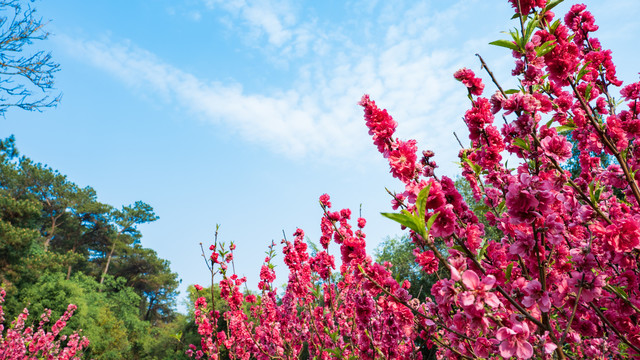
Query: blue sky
{"x": 243, "y": 113}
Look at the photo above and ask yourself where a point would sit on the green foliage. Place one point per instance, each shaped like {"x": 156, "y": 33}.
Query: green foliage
{"x": 57, "y": 240}
{"x": 56, "y": 244}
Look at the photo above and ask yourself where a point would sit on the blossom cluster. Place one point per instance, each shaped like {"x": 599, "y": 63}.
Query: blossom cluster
{"x": 361, "y": 315}
{"x": 562, "y": 281}
{"x": 24, "y": 342}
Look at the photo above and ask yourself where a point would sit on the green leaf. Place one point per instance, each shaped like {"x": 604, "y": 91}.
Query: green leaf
{"x": 333, "y": 351}
{"x": 501, "y": 206}
{"x": 507, "y": 273}
{"x": 512, "y": 91}
{"x": 475, "y": 167}
{"x": 405, "y": 218}
{"x": 554, "y": 26}
{"x": 431, "y": 220}
{"x": 598, "y": 193}
{"x": 592, "y": 191}
{"x": 587, "y": 92}
{"x": 549, "y": 123}
{"x": 545, "y": 48}
{"x": 506, "y": 44}
{"x": 565, "y": 129}
{"x": 421, "y": 203}
{"x": 483, "y": 250}
{"x": 528, "y": 31}
{"x": 521, "y": 144}
{"x": 515, "y": 35}
{"x": 552, "y": 4}
{"x": 618, "y": 290}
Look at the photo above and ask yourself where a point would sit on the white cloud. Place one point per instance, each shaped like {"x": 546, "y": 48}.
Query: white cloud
{"x": 274, "y": 19}
{"x": 316, "y": 117}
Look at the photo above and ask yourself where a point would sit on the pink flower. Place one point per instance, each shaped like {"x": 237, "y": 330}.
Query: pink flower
{"x": 445, "y": 221}
{"x": 557, "y": 147}
{"x": 631, "y": 91}
{"x": 514, "y": 341}
{"x": 322, "y": 264}
{"x": 427, "y": 260}
{"x": 591, "y": 284}
{"x": 478, "y": 293}
{"x": 198, "y": 287}
{"x": 381, "y": 125}
{"x": 525, "y": 6}
{"x": 324, "y": 200}
{"x": 628, "y": 234}
{"x": 469, "y": 79}
{"x": 403, "y": 160}
{"x": 484, "y": 347}
{"x": 497, "y": 99}
{"x": 522, "y": 204}
{"x": 267, "y": 274}
{"x": 535, "y": 295}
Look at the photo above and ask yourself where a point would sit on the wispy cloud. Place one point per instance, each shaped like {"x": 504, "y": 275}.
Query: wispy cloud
{"x": 409, "y": 72}
{"x": 268, "y": 17}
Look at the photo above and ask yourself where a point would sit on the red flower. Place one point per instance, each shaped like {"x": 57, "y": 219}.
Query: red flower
{"x": 403, "y": 160}
{"x": 469, "y": 79}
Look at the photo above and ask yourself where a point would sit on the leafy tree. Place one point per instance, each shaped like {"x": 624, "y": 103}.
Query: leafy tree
{"x": 152, "y": 279}
{"x": 50, "y": 226}
{"x": 127, "y": 221}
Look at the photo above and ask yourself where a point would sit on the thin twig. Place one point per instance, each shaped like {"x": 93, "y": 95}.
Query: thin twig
{"x": 484, "y": 66}
{"x": 459, "y": 142}
{"x": 613, "y": 328}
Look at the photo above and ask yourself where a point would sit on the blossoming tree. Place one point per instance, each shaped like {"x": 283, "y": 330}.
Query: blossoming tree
{"x": 562, "y": 282}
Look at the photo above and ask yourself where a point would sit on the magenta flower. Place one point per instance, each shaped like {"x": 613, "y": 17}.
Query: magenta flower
{"x": 427, "y": 260}
{"x": 557, "y": 147}
{"x": 381, "y": 125}
{"x": 525, "y": 6}
{"x": 469, "y": 79}
{"x": 535, "y": 295}
{"x": 403, "y": 160}
{"x": 631, "y": 91}
{"x": 522, "y": 204}
{"x": 514, "y": 341}
{"x": 478, "y": 293}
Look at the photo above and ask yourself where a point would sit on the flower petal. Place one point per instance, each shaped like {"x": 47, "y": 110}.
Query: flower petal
{"x": 524, "y": 350}
{"x": 470, "y": 279}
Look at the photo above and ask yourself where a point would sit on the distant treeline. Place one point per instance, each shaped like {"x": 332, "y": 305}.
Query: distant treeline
{"x": 60, "y": 245}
